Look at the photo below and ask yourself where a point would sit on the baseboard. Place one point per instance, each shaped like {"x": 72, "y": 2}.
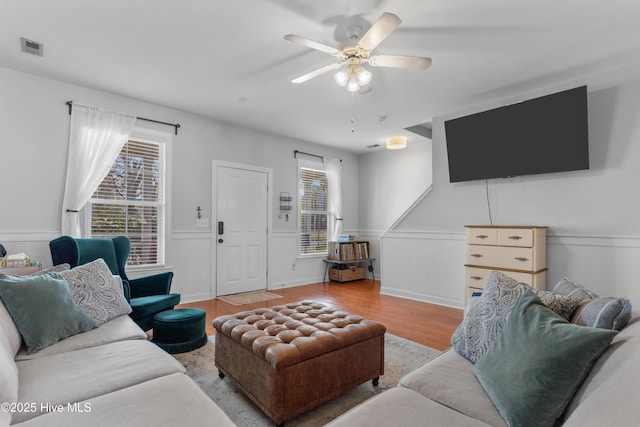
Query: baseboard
{"x": 421, "y": 297}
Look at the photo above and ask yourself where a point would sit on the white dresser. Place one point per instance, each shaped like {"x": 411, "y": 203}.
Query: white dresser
{"x": 517, "y": 251}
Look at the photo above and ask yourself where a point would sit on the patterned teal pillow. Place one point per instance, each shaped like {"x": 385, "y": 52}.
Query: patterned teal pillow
{"x": 538, "y": 362}
{"x": 98, "y": 292}
{"x": 43, "y": 310}
{"x": 484, "y": 321}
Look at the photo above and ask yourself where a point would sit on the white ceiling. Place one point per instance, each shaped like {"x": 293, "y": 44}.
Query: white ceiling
{"x": 228, "y": 59}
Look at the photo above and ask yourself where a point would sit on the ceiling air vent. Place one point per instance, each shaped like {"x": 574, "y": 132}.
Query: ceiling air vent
{"x": 29, "y": 46}
{"x": 373, "y": 146}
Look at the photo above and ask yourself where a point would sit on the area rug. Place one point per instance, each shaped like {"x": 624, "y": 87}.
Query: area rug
{"x": 249, "y": 297}
{"x": 401, "y": 357}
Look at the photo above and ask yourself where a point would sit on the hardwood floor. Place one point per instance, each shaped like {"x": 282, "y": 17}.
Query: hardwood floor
{"x": 427, "y": 324}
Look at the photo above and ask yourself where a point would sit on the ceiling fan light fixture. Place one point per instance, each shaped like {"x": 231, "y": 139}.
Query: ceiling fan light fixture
{"x": 364, "y": 76}
{"x": 353, "y": 85}
{"x": 396, "y": 142}
{"x": 341, "y": 78}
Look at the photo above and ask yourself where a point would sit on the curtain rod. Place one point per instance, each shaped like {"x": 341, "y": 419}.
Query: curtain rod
{"x": 295, "y": 155}
{"x": 174, "y": 125}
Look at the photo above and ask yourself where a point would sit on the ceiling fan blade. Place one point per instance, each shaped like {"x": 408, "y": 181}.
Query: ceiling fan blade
{"x": 313, "y": 45}
{"x": 316, "y": 73}
{"x": 400, "y": 61}
{"x": 379, "y": 31}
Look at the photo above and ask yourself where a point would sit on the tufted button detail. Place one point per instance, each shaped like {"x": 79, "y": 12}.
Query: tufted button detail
{"x": 288, "y": 335}
{"x": 240, "y": 330}
{"x": 275, "y": 329}
{"x": 253, "y": 318}
{"x": 262, "y": 324}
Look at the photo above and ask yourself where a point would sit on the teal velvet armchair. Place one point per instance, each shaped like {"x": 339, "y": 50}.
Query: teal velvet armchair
{"x": 148, "y": 295}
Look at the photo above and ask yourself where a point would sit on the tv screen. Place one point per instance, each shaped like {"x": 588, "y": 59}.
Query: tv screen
{"x": 541, "y": 135}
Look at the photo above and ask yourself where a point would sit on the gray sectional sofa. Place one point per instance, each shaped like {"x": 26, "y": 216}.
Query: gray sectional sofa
{"x": 447, "y": 391}
{"x": 109, "y": 375}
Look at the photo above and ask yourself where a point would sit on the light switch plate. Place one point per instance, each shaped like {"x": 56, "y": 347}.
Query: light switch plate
{"x": 202, "y": 222}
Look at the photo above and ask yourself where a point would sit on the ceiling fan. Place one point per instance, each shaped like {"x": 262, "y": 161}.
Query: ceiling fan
{"x": 354, "y": 77}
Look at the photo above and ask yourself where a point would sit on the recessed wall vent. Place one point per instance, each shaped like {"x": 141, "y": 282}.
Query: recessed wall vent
{"x": 29, "y": 46}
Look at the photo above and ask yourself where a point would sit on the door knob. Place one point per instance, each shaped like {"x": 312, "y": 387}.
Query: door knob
{"x": 220, "y": 240}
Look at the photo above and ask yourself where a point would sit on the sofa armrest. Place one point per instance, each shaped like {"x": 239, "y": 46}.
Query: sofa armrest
{"x": 157, "y": 284}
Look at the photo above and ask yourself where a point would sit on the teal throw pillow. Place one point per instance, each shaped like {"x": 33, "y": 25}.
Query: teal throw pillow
{"x": 537, "y": 363}
{"x": 43, "y": 310}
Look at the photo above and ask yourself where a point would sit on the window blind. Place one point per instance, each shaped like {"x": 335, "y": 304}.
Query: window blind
{"x": 313, "y": 211}
{"x": 130, "y": 202}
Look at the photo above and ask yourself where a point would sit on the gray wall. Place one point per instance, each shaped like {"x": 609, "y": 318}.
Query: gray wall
{"x": 33, "y": 150}
{"x": 594, "y": 232}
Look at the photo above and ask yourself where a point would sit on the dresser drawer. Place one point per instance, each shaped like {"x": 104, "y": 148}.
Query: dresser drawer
{"x": 515, "y": 237}
{"x": 501, "y": 257}
{"x": 477, "y": 278}
{"x": 482, "y": 236}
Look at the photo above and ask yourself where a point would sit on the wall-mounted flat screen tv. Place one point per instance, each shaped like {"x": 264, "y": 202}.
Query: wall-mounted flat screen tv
{"x": 541, "y": 135}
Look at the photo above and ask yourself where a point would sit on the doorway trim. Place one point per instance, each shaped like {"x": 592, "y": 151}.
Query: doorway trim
{"x": 214, "y": 212}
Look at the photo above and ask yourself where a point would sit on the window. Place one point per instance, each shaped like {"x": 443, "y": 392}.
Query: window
{"x": 312, "y": 208}
{"x": 130, "y": 201}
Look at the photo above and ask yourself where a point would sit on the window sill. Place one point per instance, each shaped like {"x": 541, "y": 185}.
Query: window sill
{"x": 314, "y": 257}
{"x": 146, "y": 270}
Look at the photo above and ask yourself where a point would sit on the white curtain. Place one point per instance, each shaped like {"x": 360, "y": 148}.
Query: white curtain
{"x": 95, "y": 140}
{"x": 333, "y": 169}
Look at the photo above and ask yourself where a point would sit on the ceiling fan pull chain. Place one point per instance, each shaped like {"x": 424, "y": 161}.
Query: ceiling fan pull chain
{"x": 353, "y": 121}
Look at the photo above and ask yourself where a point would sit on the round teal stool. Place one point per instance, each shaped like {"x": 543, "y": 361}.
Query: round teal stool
{"x": 180, "y": 330}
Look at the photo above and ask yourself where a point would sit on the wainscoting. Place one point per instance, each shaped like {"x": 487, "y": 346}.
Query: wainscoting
{"x": 423, "y": 266}
{"x": 428, "y": 266}
{"x": 34, "y": 244}
{"x": 193, "y": 270}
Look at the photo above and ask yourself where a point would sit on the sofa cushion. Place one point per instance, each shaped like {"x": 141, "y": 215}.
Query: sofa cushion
{"x": 594, "y": 310}
{"x": 449, "y": 380}
{"x": 119, "y": 329}
{"x": 609, "y": 394}
{"x": 43, "y": 310}
{"x": 83, "y": 374}
{"x": 8, "y": 377}
{"x": 153, "y": 304}
{"x": 172, "y": 400}
{"x": 9, "y": 328}
{"x": 403, "y": 407}
{"x": 97, "y": 291}
{"x": 537, "y": 363}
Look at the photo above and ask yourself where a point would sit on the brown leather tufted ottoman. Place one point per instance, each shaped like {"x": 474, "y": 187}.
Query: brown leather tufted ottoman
{"x": 291, "y": 358}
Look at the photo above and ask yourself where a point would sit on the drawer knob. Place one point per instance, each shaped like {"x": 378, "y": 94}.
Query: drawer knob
{"x": 476, "y": 277}
{"x": 521, "y": 259}
{"x": 515, "y": 237}
{"x": 477, "y": 255}
{"x": 482, "y": 236}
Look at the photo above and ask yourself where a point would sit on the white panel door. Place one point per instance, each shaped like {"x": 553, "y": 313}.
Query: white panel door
{"x": 241, "y": 230}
